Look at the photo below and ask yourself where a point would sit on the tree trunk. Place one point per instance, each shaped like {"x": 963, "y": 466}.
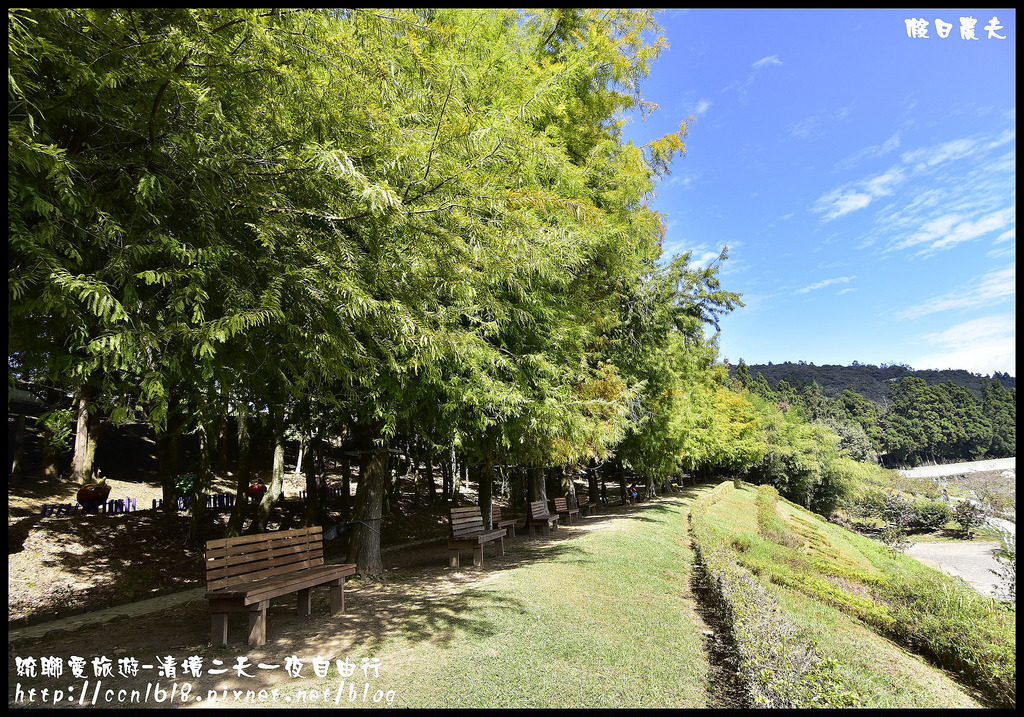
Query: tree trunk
{"x": 537, "y": 488}
{"x": 446, "y": 480}
{"x": 484, "y": 471}
{"x": 298, "y": 460}
{"x": 241, "y": 507}
{"x": 431, "y": 488}
{"x": 197, "y": 528}
{"x": 81, "y": 466}
{"x": 314, "y": 469}
{"x": 364, "y": 545}
{"x": 266, "y": 505}
{"x": 51, "y": 461}
{"x": 18, "y": 460}
{"x": 346, "y": 486}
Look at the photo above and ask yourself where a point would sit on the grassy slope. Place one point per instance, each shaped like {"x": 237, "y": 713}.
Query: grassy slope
{"x": 606, "y": 619}
{"x": 882, "y": 673}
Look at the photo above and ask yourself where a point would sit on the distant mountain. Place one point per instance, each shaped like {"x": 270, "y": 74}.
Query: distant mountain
{"x": 869, "y": 381}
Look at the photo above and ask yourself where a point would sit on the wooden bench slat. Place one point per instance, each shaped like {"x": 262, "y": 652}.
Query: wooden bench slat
{"x": 259, "y": 590}
{"x": 265, "y": 537}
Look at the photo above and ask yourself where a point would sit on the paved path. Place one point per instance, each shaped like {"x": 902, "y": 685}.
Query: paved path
{"x": 952, "y": 469}
{"x": 968, "y": 560}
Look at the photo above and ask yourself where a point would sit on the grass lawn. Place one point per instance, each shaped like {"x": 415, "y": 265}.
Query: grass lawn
{"x": 603, "y": 619}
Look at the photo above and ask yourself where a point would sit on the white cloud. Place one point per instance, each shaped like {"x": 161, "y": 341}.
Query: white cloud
{"x": 984, "y": 291}
{"x": 826, "y": 282}
{"x": 858, "y": 195}
{"x": 842, "y": 202}
{"x": 964, "y": 178}
{"x": 702, "y": 107}
{"x": 983, "y": 345}
{"x": 876, "y": 150}
{"x": 767, "y": 61}
{"x": 952, "y": 229}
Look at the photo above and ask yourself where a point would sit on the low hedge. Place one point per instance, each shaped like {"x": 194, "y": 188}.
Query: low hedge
{"x": 780, "y": 666}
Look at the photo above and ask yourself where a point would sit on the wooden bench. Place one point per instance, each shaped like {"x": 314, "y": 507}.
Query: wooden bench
{"x": 585, "y": 506}
{"x": 509, "y": 524}
{"x": 537, "y": 515}
{"x": 243, "y": 574}
{"x": 466, "y": 530}
{"x": 562, "y": 508}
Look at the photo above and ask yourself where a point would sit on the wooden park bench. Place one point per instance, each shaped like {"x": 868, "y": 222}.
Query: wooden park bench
{"x": 509, "y": 524}
{"x": 243, "y": 574}
{"x": 466, "y": 530}
{"x": 537, "y": 515}
{"x": 562, "y": 508}
{"x": 586, "y": 507}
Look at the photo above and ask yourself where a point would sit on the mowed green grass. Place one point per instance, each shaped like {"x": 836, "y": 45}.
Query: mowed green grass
{"x": 882, "y": 673}
{"x": 598, "y": 619}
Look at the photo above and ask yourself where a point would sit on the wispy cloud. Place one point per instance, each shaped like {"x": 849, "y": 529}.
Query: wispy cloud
{"x": 858, "y": 195}
{"x": 767, "y": 61}
{"x": 982, "y": 345}
{"x": 944, "y": 195}
{"x": 811, "y": 127}
{"x": 952, "y": 229}
{"x": 755, "y": 69}
{"x": 826, "y": 282}
{"x": 872, "y": 152}
{"x": 702, "y": 108}
{"x": 983, "y": 291}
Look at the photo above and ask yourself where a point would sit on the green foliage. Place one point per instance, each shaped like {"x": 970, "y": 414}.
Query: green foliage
{"x": 1006, "y": 556}
{"x": 965, "y": 632}
{"x": 933, "y": 514}
{"x": 969, "y": 515}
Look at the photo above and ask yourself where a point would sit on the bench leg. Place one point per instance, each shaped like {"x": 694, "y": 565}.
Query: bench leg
{"x": 478, "y": 556}
{"x": 258, "y": 625}
{"x": 338, "y": 598}
{"x": 453, "y": 558}
{"x": 511, "y": 532}
{"x": 306, "y": 602}
{"x": 219, "y": 628}
{"x": 501, "y": 546}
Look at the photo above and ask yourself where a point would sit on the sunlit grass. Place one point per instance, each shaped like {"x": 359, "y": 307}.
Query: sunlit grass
{"x": 594, "y": 621}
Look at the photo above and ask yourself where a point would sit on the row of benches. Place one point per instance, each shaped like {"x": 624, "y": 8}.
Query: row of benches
{"x": 466, "y": 526}
{"x": 244, "y": 573}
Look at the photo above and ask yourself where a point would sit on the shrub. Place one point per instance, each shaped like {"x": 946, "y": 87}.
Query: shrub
{"x": 780, "y": 666}
{"x": 933, "y": 513}
{"x": 969, "y": 515}
{"x": 1006, "y": 556}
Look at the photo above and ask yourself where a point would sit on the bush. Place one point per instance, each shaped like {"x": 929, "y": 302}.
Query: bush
{"x": 933, "y": 513}
{"x": 969, "y": 515}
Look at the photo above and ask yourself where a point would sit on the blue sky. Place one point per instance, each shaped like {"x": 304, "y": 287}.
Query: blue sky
{"x": 863, "y": 181}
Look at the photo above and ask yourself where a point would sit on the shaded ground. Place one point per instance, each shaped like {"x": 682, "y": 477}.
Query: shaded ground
{"x": 422, "y": 597}
{"x": 63, "y": 566}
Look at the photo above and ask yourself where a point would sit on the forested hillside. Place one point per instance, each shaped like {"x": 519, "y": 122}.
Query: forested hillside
{"x": 872, "y": 382}
{"x": 916, "y": 418}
